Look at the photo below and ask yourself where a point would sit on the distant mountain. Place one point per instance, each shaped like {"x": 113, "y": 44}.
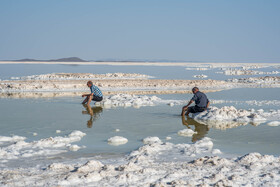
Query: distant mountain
{"x": 27, "y": 60}
{"x": 70, "y": 59}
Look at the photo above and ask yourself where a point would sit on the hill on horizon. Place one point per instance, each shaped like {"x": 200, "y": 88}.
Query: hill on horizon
{"x": 69, "y": 59}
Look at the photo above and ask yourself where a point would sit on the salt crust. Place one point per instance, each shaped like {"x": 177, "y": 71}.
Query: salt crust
{"x": 71, "y": 87}
{"x": 151, "y": 139}
{"x": 274, "y": 123}
{"x": 82, "y": 76}
{"x": 230, "y": 117}
{"x": 267, "y": 81}
{"x": 18, "y": 148}
{"x": 156, "y": 164}
{"x": 247, "y": 72}
{"x": 202, "y": 76}
{"x": 109, "y": 85}
{"x": 198, "y": 68}
{"x": 117, "y": 140}
{"x": 186, "y": 132}
{"x": 127, "y": 100}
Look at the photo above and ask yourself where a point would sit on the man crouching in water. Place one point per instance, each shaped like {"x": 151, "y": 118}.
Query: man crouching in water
{"x": 95, "y": 95}
{"x": 201, "y": 103}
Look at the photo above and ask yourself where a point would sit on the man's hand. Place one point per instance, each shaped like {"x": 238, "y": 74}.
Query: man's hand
{"x": 184, "y": 110}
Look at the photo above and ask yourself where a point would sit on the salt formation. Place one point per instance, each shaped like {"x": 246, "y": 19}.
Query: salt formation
{"x": 198, "y": 69}
{"x": 248, "y": 72}
{"x": 257, "y": 80}
{"x": 274, "y": 123}
{"x": 150, "y": 140}
{"x": 117, "y": 140}
{"x": 200, "y": 76}
{"x": 186, "y": 132}
{"x": 156, "y": 164}
{"x": 127, "y": 100}
{"x": 82, "y": 76}
{"x": 49, "y": 146}
{"x": 230, "y": 117}
{"x": 229, "y": 113}
{"x": 7, "y": 139}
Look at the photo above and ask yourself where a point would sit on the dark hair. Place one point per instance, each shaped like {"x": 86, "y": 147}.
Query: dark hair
{"x": 89, "y": 82}
{"x": 195, "y": 88}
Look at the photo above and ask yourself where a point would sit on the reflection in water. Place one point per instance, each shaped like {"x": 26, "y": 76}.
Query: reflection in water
{"x": 201, "y": 129}
{"x": 94, "y": 113}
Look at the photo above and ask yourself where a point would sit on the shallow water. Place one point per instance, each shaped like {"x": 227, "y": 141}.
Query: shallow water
{"x": 44, "y": 116}
{"x": 159, "y": 72}
{"x": 24, "y": 117}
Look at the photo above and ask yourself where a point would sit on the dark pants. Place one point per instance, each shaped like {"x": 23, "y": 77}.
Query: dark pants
{"x": 97, "y": 98}
{"x": 195, "y": 109}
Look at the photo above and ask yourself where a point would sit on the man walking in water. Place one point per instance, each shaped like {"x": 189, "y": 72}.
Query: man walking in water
{"x": 95, "y": 95}
{"x": 201, "y": 103}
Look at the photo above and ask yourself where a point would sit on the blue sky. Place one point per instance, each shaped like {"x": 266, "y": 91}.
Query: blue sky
{"x": 197, "y": 30}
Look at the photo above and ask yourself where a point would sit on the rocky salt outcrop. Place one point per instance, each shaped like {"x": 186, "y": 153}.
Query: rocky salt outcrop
{"x": 156, "y": 164}
{"x": 82, "y": 76}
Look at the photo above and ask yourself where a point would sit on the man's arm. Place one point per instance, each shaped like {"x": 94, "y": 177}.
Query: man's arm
{"x": 91, "y": 94}
{"x": 208, "y": 103}
{"x": 186, "y": 107}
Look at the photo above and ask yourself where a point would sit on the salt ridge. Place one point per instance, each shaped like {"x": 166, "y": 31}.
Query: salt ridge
{"x": 82, "y": 76}
{"x": 156, "y": 164}
{"x": 49, "y": 146}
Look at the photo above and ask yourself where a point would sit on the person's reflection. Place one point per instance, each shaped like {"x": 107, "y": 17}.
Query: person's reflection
{"x": 200, "y": 129}
{"x": 94, "y": 113}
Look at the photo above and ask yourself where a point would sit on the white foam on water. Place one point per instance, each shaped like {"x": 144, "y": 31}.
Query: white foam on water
{"x": 117, "y": 140}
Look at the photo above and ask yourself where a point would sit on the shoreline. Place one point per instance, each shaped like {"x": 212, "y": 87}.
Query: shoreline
{"x": 154, "y": 164}
{"x": 195, "y": 64}
{"x": 71, "y": 84}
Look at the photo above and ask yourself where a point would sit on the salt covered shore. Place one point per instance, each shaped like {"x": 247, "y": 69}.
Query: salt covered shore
{"x": 155, "y": 164}
{"x": 120, "y": 82}
{"x": 64, "y": 82}
{"x": 82, "y": 76}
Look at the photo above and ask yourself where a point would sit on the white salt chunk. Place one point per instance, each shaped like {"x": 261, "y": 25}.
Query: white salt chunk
{"x": 186, "y": 132}
{"x": 74, "y": 148}
{"x": 117, "y": 140}
{"x": 274, "y": 123}
{"x": 151, "y": 139}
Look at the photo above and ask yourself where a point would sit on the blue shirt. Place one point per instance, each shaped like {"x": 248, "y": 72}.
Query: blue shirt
{"x": 96, "y": 91}
{"x": 200, "y": 99}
